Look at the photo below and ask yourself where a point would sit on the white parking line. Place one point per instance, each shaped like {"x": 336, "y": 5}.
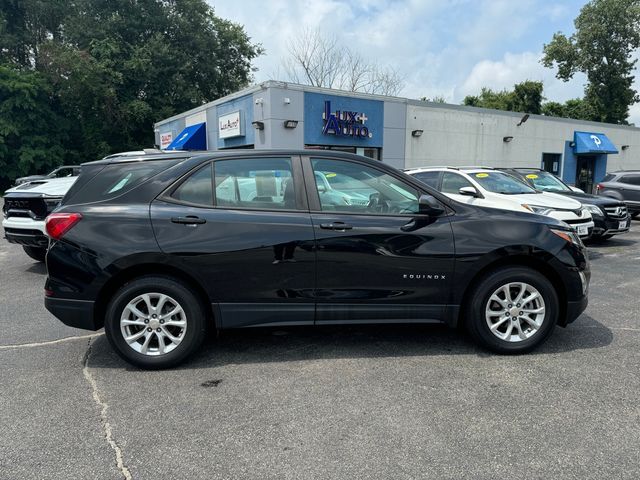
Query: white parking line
{"x": 50, "y": 342}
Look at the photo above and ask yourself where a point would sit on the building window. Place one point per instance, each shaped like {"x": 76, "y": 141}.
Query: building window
{"x": 551, "y": 162}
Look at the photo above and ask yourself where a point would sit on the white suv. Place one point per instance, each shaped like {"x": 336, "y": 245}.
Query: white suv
{"x": 25, "y": 209}
{"x": 487, "y": 187}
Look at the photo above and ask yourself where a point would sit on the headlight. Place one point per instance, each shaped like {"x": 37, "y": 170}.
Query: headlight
{"x": 538, "y": 209}
{"x": 568, "y": 236}
{"x": 594, "y": 210}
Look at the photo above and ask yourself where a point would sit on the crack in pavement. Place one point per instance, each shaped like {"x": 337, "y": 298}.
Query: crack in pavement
{"x": 106, "y": 426}
{"x": 48, "y": 342}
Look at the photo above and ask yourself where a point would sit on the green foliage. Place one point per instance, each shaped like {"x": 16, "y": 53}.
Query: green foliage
{"x": 31, "y": 132}
{"x": 525, "y": 97}
{"x": 607, "y": 34}
{"x": 576, "y": 108}
{"x": 110, "y": 68}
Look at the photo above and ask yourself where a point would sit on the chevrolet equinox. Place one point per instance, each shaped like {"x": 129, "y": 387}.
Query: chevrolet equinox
{"x": 158, "y": 248}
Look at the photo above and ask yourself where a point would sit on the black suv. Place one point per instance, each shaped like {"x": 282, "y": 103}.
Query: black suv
{"x": 623, "y": 186}
{"x": 610, "y": 216}
{"x": 159, "y": 248}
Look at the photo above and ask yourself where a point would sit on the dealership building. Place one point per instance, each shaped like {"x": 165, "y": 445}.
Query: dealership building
{"x": 402, "y": 132}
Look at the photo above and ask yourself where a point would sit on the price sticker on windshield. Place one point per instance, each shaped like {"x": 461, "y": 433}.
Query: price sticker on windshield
{"x": 482, "y": 175}
{"x": 532, "y": 176}
{"x": 330, "y": 175}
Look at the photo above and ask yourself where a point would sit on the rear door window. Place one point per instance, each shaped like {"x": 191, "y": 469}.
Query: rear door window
{"x": 428, "y": 178}
{"x": 630, "y": 179}
{"x": 197, "y": 189}
{"x": 257, "y": 183}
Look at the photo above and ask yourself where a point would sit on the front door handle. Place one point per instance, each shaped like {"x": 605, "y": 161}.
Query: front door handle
{"x": 340, "y": 226}
{"x": 188, "y": 220}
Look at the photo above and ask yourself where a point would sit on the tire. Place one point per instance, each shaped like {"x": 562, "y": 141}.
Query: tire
{"x": 477, "y": 321}
{"x": 131, "y": 305}
{"x": 635, "y": 215}
{"x": 37, "y": 253}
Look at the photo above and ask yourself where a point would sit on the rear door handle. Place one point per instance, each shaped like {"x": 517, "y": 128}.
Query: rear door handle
{"x": 188, "y": 220}
{"x": 341, "y": 226}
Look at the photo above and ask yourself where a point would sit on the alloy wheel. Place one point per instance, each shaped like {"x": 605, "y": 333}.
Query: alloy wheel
{"x": 153, "y": 324}
{"x": 515, "y": 312}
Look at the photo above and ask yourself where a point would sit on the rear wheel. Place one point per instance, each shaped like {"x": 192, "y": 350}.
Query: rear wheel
{"x": 512, "y": 310}
{"x": 155, "y": 322}
{"x": 37, "y": 253}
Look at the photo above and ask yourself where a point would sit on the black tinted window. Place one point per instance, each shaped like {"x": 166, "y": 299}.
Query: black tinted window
{"x": 198, "y": 188}
{"x": 115, "y": 179}
{"x": 264, "y": 183}
{"x": 630, "y": 179}
{"x": 428, "y": 178}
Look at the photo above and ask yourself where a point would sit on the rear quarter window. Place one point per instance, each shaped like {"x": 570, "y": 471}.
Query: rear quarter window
{"x": 116, "y": 179}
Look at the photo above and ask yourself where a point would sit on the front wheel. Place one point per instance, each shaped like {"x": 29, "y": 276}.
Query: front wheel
{"x": 635, "y": 214}
{"x": 512, "y": 310}
{"x": 155, "y": 322}
{"x": 37, "y": 253}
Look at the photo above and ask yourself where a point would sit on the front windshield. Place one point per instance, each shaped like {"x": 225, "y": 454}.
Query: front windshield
{"x": 546, "y": 182}
{"x": 498, "y": 182}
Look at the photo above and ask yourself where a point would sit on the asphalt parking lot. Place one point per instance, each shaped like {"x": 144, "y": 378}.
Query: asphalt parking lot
{"x": 356, "y": 402}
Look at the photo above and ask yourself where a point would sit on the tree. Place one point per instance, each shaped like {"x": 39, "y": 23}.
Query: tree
{"x": 525, "y": 97}
{"x": 113, "y": 68}
{"x": 607, "y": 34}
{"x": 32, "y": 133}
{"x": 322, "y": 61}
{"x": 576, "y": 108}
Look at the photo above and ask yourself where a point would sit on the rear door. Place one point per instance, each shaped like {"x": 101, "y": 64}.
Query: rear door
{"x": 242, "y": 227}
{"x": 377, "y": 258}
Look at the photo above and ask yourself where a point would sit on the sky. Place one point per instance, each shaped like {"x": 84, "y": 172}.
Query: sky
{"x": 444, "y": 48}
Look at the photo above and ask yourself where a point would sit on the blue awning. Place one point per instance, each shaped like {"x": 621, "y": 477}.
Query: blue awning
{"x": 193, "y": 137}
{"x": 589, "y": 142}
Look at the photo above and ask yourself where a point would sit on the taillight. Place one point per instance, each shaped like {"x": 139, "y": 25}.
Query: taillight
{"x": 599, "y": 187}
{"x": 57, "y": 224}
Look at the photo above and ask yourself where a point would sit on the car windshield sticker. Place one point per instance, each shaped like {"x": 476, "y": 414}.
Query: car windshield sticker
{"x": 482, "y": 175}
{"x": 330, "y": 175}
{"x": 532, "y": 176}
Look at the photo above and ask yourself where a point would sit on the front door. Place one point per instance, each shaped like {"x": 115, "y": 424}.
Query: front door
{"x": 248, "y": 240}
{"x": 377, "y": 258}
{"x": 585, "y": 167}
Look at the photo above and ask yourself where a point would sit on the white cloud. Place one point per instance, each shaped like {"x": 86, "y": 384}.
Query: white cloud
{"x": 448, "y": 49}
{"x": 515, "y": 68}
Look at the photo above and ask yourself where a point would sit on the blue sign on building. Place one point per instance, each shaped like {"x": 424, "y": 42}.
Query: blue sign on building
{"x": 342, "y": 121}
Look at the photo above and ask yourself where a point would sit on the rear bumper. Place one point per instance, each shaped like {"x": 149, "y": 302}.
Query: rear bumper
{"x": 74, "y": 313}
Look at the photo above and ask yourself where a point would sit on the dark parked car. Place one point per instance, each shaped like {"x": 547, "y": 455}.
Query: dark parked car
{"x": 60, "y": 172}
{"x": 157, "y": 249}
{"x": 610, "y": 216}
{"x": 624, "y": 186}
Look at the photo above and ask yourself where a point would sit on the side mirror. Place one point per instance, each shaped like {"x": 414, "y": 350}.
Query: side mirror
{"x": 576, "y": 189}
{"x": 469, "y": 192}
{"x": 322, "y": 189}
{"x": 427, "y": 205}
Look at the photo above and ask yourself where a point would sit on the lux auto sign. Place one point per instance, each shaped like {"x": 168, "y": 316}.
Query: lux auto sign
{"x": 344, "y": 123}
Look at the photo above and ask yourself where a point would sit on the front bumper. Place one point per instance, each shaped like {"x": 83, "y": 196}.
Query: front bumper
{"x": 25, "y": 231}
{"x": 610, "y": 226}
{"x": 74, "y": 313}
{"x": 583, "y": 229}
{"x": 574, "y": 309}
